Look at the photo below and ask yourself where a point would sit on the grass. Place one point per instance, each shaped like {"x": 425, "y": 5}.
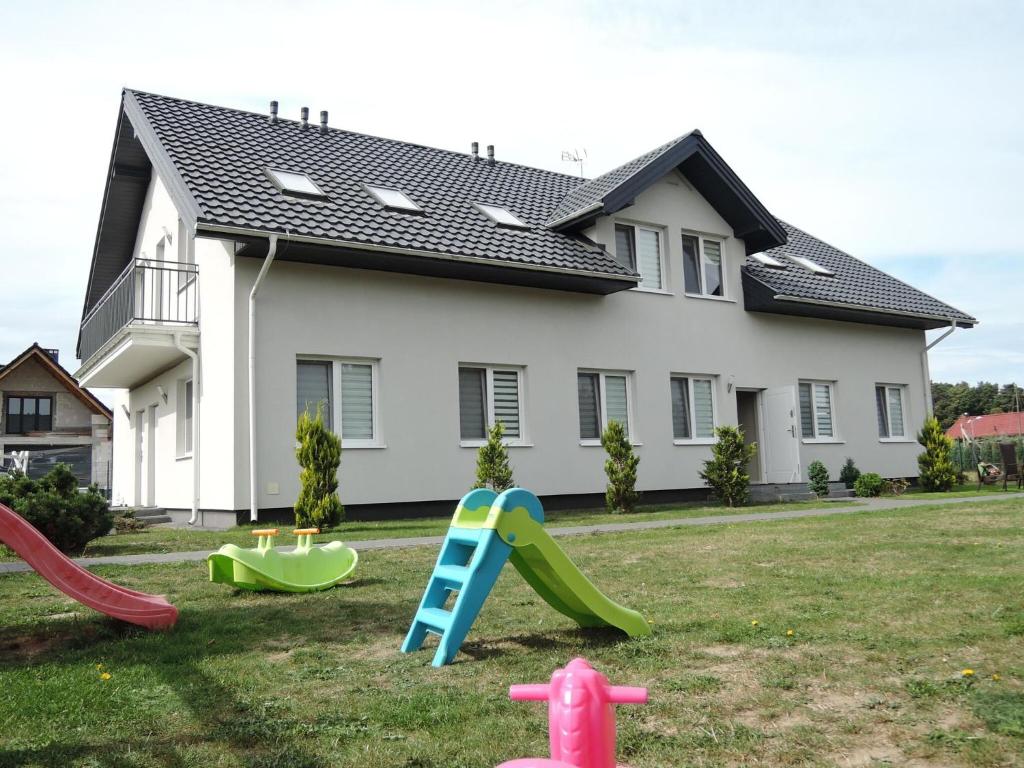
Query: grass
{"x": 887, "y": 608}
{"x": 160, "y": 539}
{"x": 962, "y": 491}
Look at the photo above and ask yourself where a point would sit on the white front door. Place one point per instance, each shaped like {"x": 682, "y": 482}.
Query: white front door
{"x": 781, "y": 436}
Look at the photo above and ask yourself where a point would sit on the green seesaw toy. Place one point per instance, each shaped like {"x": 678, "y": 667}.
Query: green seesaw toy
{"x": 304, "y": 569}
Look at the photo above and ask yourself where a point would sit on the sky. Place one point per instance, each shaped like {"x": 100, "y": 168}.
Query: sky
{"x": 890, "y": 130}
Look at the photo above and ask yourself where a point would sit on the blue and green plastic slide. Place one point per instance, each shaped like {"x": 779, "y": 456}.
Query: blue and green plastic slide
{"x": 304, "y": 569}
{"x": 487, "y": 530}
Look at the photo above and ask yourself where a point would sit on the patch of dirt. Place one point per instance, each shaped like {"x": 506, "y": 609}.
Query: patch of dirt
{"x": 723, "y": 582}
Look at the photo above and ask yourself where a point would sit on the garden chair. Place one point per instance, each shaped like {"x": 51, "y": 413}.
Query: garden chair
{"x": 988, "y": 474}
{"x": 1011, "y": 467}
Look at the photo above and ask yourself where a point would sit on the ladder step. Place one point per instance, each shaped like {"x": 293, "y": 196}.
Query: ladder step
{"x": 465, "y": 535}
{"x": 438, "y": 618}
{"x": 453, "y": 574}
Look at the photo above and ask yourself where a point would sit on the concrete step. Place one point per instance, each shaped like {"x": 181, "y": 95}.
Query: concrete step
{"x": 841, "y": 493}
{"x": 797, "y": 496}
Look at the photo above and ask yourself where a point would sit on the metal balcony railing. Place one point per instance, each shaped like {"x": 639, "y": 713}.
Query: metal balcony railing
{"x": 148, "y": 292}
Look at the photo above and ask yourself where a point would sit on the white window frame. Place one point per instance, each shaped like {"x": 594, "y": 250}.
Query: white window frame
{"x": 662, "y": 243}
{"x": 701, "y": 237}
{"x": 336, "y": 420}
{"x": 690, "y": 377}
{"x": 834, "y": 438}
{"x": 376, "y": 189}
{"x": 902, "y": 389}
{"x": 277, "y": 181}
{"x": 494, "y": 212}
{"x": 602, "y": 393}
{"x": 518, "y": 442}
{"x": 183, "y": 429}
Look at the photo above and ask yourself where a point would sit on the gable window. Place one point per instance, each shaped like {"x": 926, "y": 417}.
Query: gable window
{"x": 184, "y": 418}
{"x": 503, "y": 216}
{"x": 702, "y": 266}
{"x": 639, "y": 249}
{"x": 603, "y": 398}
{"x": 28, "y": 414}
{"x": 488, "y": 395}
{"x": 346, "y": 391}
{"x": 393, "y": 198}
{"x": 295, "y": 183}
{"x": 889, "y": 403}
{"x": 816, "y": 411}
{"x": 693, "y": 408}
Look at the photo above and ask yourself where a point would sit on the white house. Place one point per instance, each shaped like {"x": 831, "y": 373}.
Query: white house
{"x": 248, "y": 266}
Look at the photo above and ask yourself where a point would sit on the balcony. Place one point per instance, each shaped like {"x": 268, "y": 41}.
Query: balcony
{"x": 128, "y": 336}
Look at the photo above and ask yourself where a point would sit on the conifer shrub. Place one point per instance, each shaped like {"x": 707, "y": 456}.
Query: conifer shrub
{"x": 493, "y": 469}
{"x": 935, "y": 465}
{"x": 726, "y": 471}
{"x": 849, "y": 473}
{"x": 817, "y": 474}
{"x": 319, "y": 455}
{"x": 620, "y": 467}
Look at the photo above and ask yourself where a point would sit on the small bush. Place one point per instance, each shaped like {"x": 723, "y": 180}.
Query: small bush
{"x": 54, "y": 505}
{"x": 937, "y": 472}
{"x": 621, "y": 466}
{"x": 319, "y": 454}
{"x": 869, "y": 484}
{"x": 849, "y": 473}
{"x": 126, "y": 522}
{"x": 726, "y": 471}
{"x": 817, "y": 474}
{"x": 492, "y": 465}
{"x": 895, "y": 486}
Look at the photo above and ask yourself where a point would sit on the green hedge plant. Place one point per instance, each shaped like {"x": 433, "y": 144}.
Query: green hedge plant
{"x": 726, "y": 471}
{"x": 620, "y": 467}
{"x": 869, "y": 484}
{"x": 319, "y": 455}
{"x": 493, "y": 469}
{"x": 935, "y": 465}
{"x": 849, "y": 473}
{"x": 817, "y": 474}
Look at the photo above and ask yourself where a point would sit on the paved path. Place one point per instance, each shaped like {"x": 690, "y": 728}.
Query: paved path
{"x": 827, "y": 509}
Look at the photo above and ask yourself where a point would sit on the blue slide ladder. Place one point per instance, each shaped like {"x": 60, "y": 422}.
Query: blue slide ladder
{"x": 469, "y": 564}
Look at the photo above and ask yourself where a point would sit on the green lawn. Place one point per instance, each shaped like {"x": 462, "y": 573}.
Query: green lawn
{"x": 962, "y": 491}
{"x": 887, "y": 608}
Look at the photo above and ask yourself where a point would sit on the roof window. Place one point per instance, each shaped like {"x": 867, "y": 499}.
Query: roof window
{"x": 393, "y": 198}
{"x": 295, "y": 183}
{"x": 768, "y": 261}
{"x": 810, "y": 266}
{"x": 502, "y": 216}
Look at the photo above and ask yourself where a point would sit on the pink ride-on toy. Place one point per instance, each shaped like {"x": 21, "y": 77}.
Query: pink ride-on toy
{"x": 581, "y": 717}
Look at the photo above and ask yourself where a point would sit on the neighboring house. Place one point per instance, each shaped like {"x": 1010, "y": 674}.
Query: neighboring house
{"x": 46, "y": 413}
{"x": 992, "y": 425}
{"x": 421, "y": 294}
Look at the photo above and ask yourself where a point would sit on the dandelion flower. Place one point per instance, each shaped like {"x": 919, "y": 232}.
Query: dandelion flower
{"x": 996, "y": 677}
{"x": 789, "y": 633}
{"x": 105, "y": 676}
{"x": 754, "y": 623}
{"x": 967, "y": 672}
{"x": 99, "y": 666}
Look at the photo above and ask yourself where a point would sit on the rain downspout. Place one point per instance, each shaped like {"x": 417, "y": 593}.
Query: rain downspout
{"x": 195, "y": 426}
{"x": 253, "y": 485}
{"x": 925, "y": 371}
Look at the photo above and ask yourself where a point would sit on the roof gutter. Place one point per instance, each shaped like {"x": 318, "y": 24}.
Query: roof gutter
{"x": 925, "y": 370}
{"x": 195, "y": 425}
{"x": 253, "y": 484}
{"x": 878, "y": 310}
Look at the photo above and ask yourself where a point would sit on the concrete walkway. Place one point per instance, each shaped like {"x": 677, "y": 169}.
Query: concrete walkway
{"x": 827, "y": 509}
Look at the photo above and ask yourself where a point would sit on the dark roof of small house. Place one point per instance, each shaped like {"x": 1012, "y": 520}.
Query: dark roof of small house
{"x": 855, "y": 283}
{"x": 59, "y": 372}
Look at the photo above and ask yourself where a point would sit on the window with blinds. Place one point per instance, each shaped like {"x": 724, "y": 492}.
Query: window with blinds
{"x": 639, "y": 248}
{"x": 703, "y": 273}
{"x": 356, "y": 401}
{"x": 487, "y": 396}
{"x": 693, "y": 408}
{"x": 889, "y": 405}
{"x": 345, "y": 392}
{"x": 816, "y": 414}
{"x": 603, "y": 398}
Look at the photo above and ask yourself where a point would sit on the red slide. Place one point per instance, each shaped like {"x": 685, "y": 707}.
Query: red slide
{"x": 149, "y": 611}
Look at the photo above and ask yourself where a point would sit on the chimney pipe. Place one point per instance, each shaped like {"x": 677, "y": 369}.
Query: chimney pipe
{"x": 323, "y": 121}
{"x": 305, "y": 118}
{"x": 476, "y": 150}
{"x": 490, "y": 154}
{"x": 273, "y": 112}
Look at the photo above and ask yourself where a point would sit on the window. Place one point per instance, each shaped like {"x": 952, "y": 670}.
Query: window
{"x": 693, "y": 408}
{"x": 346, "y": 391}
{"x": 488, "y": 395}
{"x": 810, "y": 266}
{"x": 816, "y": 419}
{"x": 393, "y": 198}
{"x": 603, "y": 398}
{"x": 639, "y": 248}
{"x": 295, "y": 183}
{"x": 29, "y": 414}
{"x": 502, "y": 216}
{"x": 768, "y": 261}
{"x": 702, "y": 266}
{"x": 889, "y": 404}
{"x": 184, "y": 418}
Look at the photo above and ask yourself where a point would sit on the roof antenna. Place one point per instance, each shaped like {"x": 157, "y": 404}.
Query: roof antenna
{"x": 572, "y": 156}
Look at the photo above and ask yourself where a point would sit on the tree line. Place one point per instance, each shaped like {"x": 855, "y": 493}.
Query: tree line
{"x": 951, "y": 401}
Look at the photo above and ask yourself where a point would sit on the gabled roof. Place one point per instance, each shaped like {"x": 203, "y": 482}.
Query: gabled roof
{"x": 696, "y": 159}
{"x": 856, "y": 287}
{"x": 990, "y": 425}
{"x": 37, "y": 353}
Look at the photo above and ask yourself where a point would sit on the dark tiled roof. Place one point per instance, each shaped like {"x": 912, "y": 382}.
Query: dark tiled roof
{"x": 592, "y": 191}
{"x": 854, "y": 282}
{"x": 221, "y": 155}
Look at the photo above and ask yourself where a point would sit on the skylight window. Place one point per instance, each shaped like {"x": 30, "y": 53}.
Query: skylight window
{"x": 810, "y": 266}
{"x": 296, "y": 183}
{"x": 768, "y": 261}
{"x": 502, "y": 216}
{"x": 393, "y": 198}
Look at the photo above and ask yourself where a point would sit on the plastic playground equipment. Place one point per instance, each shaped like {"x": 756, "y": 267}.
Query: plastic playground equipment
{"x": 487, "y": 530}
{"x": 150, "y": 611}
{"x": 581, "y": 717}
{"x": 305, "y": 569}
